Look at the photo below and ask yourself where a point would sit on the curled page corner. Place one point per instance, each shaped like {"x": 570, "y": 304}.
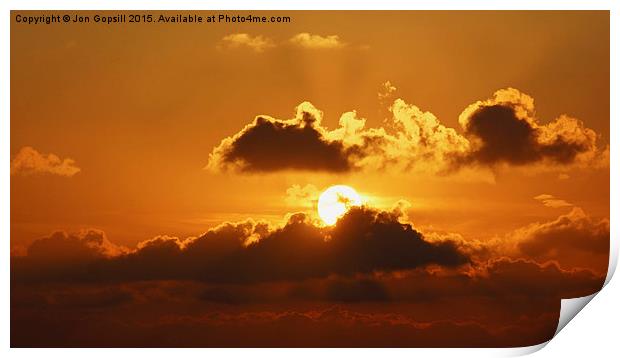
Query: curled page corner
{"x": 569, "y": 309}
{"x": 523, "y": 351}
{"x": 572, "y": 306}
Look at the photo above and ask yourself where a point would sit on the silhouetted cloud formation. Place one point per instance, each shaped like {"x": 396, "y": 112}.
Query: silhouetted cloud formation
{"x": 85, "y": 245}
{"x": 499, "y": 131}
{"x": 504, "y": 129}
{"x": 269, "y": 144}
{"x": 245, "y": 283}
{"x": 363, "y": 241}
{"x": 29, "y": 161}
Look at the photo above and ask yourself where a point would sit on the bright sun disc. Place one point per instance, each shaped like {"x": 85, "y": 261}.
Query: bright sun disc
{"x": 336, "y": 201}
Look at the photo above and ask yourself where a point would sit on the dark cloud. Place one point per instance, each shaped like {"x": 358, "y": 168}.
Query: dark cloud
{"x": 270, "y": 144}
{"x": 91, "y": 298}
{"x": 356, "y": 290}
{"x": 505, "y": 130}
{"x": 180, "y": 321}
{"x": 503, "y": 136}
{"x": 369, "y": 281}
{"x": 519, "y": 281}
{"x": 83, "y": 246}
{"x": 500, "y": 130}
{"x": 363, "y": 241}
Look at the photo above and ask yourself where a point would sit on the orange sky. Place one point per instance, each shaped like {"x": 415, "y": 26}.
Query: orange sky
{"x": 164, "y": 178}
{"x": 140, "y": 108}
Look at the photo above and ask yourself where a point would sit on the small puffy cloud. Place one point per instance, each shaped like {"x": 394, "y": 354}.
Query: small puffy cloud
{"x": 257, "y": 43}
{"x": 310, "y": 41}
{"x": 551, "y": 201}
{"x": 386, "y": 91}
{"x": 29, "y": 161}
{"x": 504, "y": 130}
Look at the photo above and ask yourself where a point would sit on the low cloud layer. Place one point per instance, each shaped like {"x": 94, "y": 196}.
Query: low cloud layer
{"x": 501, "y": 131}
{"x": 29, "y": 161}
{"x": 185, "y": 323}
{"x": 574, "y": 239}
{"x": 363, "y": 241}
{"x": 370, "y": 280}
{"x": 506, "y": 302}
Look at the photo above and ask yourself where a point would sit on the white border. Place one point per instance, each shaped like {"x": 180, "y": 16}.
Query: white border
{"x": 312, "y": 5}
{"x": 596, "y": 326}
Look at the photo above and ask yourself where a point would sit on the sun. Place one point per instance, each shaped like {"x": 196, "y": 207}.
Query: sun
{"x": 335, "y": 201}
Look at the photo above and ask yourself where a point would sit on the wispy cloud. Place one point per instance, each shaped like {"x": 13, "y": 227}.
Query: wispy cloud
{"x": 551, "y": 201}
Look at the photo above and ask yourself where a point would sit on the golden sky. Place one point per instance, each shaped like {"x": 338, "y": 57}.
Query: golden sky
{"x": 140, "y": 108}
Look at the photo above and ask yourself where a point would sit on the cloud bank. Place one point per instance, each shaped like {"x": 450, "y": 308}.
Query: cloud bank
{"x": 370, "y": 280}
{"x": 501, "y": 131}
{"x": 571, "y": 238}
{"x": 365, "y": 240}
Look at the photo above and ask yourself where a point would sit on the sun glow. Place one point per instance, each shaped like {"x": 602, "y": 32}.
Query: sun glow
{"x": 336, "y": 201}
